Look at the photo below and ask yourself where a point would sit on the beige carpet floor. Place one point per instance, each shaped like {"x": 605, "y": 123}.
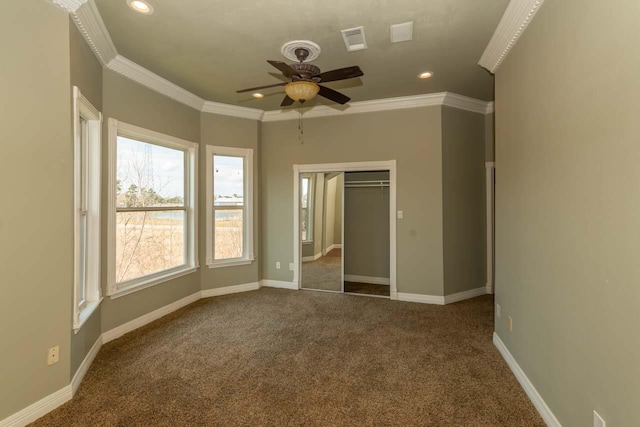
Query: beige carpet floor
{"x": 277, "y": 357}
{"x": 323, "y": 274}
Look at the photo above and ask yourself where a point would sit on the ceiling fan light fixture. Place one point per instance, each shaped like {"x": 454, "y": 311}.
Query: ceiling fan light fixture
{"x": 140, "y": 6}
{"x": 301, "y": 91}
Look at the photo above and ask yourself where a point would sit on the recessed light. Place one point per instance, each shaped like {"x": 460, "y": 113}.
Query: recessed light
{"x": 257, "y": 95}
{"x": 140, "y": 6}
{"x": 425, "y": 75}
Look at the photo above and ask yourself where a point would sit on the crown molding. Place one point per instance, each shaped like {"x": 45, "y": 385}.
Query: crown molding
{"x": 515, "y": 20}
{"x": 89, "y": 21}
{"x": 433, "y": 99}
{"x": 69, "y": 5}
{"x": 461, "y": 102}
{"x": 139, "y": 74}
{"x": 232, "y": 110}
{"x": 387, "y": 104}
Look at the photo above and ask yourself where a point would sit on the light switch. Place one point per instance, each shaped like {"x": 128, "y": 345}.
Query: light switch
{"x": 400, "y": 214}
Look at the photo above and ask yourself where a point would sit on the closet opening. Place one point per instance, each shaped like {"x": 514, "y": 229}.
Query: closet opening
{"x": 344, "y": 228}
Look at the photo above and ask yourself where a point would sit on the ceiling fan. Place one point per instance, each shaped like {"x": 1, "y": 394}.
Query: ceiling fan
{"x": 305, "y": 78}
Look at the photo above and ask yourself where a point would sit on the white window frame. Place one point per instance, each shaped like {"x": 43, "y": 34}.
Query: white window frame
{"x": 310, "y": 204}
{"x": 86, "y": 207}
{"x": 248, "y": 253}
{"x": 118, "y": 128}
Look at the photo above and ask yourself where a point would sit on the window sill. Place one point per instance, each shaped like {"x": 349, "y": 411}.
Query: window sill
{"x": 231, "y": 263}
{"x": 307, "y": 241}
{"x": 144, "y": 284}
{"x": 85, "y": 313}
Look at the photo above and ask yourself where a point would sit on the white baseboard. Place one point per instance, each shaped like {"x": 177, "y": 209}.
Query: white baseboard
{"x": 207, "y": 293}
{"x": 312, "y": 258}
{"x": 332, "y": 247}
{"x": 51, "y": 402}
{"x": 40, "y": 408}
{"x": 526, "y": 384}
{"x": 119, "y": 331}
{"x": 489, "y": 288}
{"x": 367, "y": 279}
{"x": 424, "y": 299}
{"x": 278, "y": 284}
{"x": 460, "y": 296}
{"x": 84, "y": 366}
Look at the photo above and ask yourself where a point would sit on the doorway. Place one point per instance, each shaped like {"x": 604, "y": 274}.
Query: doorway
{"x": 319, "y": 231}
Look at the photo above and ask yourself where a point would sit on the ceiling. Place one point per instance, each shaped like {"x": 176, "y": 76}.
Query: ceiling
{"x": 213, "y": 48}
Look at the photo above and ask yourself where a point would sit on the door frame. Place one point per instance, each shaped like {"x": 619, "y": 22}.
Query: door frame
{"x": 389, "y": 165}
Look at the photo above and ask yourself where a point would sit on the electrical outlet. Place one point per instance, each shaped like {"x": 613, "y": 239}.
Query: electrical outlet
{"x": 278, "y": 265}
{"x": 400, "y": 215}
{"x": 598, "y": 421}
{"x": 510, "y": 324}
{"x": 498, "y": 311}
{"x": 290, "y": 266}
{"x": 53, "y": 355}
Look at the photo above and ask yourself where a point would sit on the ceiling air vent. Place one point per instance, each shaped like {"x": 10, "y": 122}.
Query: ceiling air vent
{"x": 402, "y": 32}
{"x": 354, "y": 39}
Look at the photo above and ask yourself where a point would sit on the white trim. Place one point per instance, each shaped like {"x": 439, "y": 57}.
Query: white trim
{"x": 490, "y": 213}
{"x": 424, "y": 299}
{"x": 389, "y": 165}
{"x": 190, "y": 149}
{"x": 248, "y": 255}
{"x": 141, "y": 283}
{"x": 460, "y": 296}
{"x": 85, "y": 365}
{"x": 266, "y": 283}
{"x": 69, "y": 5}
{"x": 537, "y": 400}
{"x": 231, "y": 263}
{"x": 134, "y": 324}
{"x": 367, "y": 279}
{"x": 334, "y": 246}
{"x": 515, "y": 20}
{"x": 312, "y": 257}
{"x": 139, "y": 74}
{"x": 208, "y": 293}
{"x": 89, "y": 21}
{"x": 88, "y": 153}
{"x": 38, "y": 409}
{"x": 232, "y": 110}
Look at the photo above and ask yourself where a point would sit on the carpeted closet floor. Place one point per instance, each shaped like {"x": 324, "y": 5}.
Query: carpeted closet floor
{"x": 280, "y": 358}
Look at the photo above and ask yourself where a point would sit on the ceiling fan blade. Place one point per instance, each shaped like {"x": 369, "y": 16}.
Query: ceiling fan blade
{"x": 333, "y": 95}
{"x": 261, "y": 87}
{"x": 284, "y": 68}
{"x": 340, "y": 74}
{"x": 286, "y": 101}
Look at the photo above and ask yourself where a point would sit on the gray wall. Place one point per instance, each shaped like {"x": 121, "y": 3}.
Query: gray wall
{"x": 228, "y": 132}
{"x": 127, "y": 101}
{"x": 366, "y": 233}
{"x": 416, "y": 137}
{"x": 463, "y": 202}
{"x": 36, "y": 225}
{"x": 86, "y": 73}
{"x": 568, "y": 210}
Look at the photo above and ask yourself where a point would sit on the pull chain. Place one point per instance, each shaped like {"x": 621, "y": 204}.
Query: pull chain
{"x": 301, "y": 125}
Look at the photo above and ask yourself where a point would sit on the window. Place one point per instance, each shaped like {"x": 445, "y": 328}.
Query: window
{"x": 87, "y": 123}
{"x": 306, "y": 204}
{"x": 152, "y": 205}
{"x": 229, "y": 206}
